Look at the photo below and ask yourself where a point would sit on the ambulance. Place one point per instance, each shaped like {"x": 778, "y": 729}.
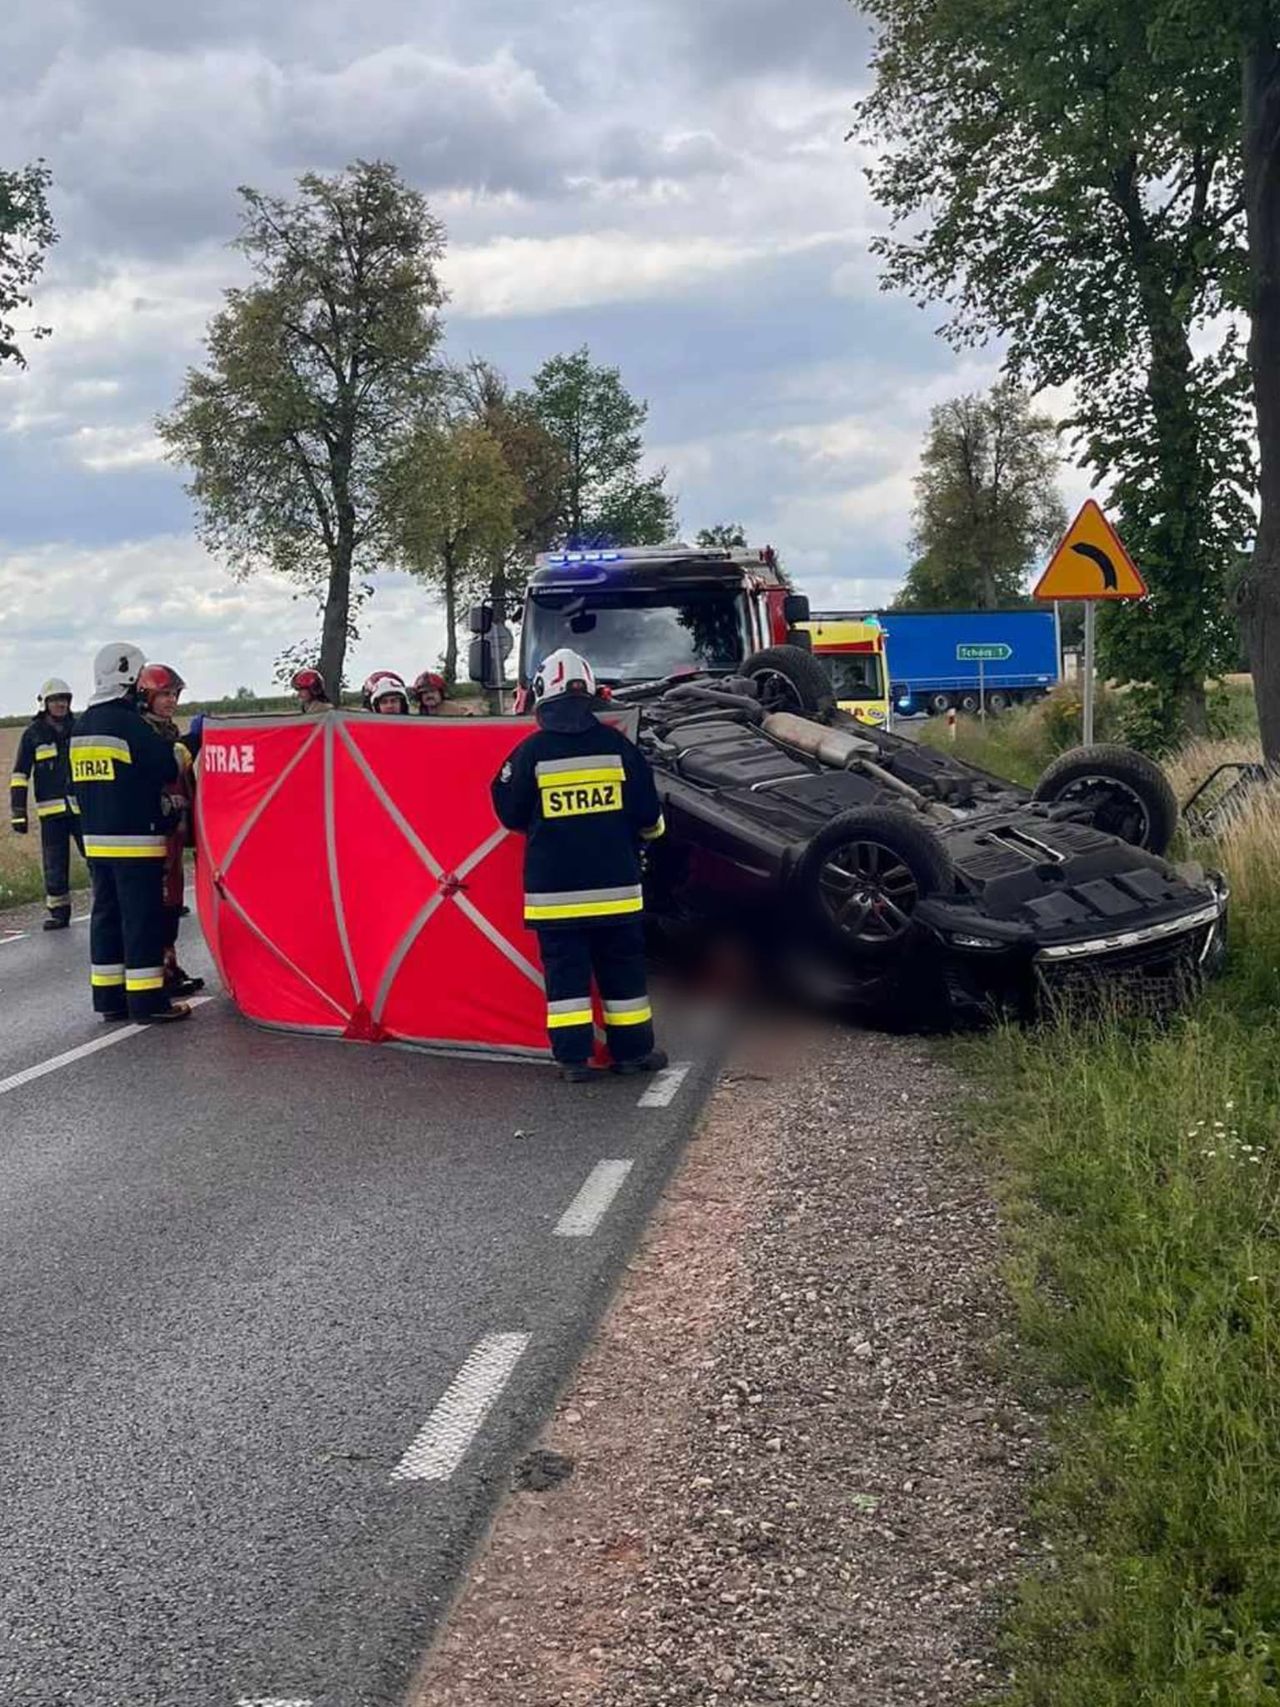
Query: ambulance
{"x": 853, "y": 653}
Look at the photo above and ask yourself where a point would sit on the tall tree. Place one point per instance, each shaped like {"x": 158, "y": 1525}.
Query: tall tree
{"x": 1067, "y": 178}
{"x": 454, "y": 499}
{"x": 599, "y": 427}
{"x": 314, "y": 370}
{"x": 26, "y": 234}
{"x": 986, "y": 502}
{"x": 726, "y": 535}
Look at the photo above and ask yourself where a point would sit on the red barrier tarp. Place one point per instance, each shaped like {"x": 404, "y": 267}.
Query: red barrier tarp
{"x": 352, "y": 880}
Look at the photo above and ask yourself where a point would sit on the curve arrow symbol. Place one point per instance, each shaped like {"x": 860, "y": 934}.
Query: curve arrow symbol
{"x": 1095, "y": 554}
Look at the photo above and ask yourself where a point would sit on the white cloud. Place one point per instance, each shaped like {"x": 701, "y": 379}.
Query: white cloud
{"x": 105, "y": 448}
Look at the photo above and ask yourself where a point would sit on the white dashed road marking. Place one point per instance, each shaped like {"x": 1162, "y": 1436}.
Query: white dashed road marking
{"x": 456, "y": 1420}
{"x": 274, "y": 1701}
{"x": 591, "y": 1205}
{"x": 69, "y": 1056}
{"x": 662, "y": 1092}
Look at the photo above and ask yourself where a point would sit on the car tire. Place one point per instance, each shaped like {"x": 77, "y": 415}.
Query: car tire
{"x": 788, "y": 679}
{"x": 937, "y": 704}
{"x": 864, "y": 901}
{"x": 1129, "y": 794}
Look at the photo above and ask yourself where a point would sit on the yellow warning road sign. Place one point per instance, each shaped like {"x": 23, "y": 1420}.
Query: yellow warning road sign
{"x": 1091, "y": 563}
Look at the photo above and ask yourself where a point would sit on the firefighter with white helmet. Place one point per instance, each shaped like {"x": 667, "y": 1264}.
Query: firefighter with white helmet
{"x": 42, "y": 765}
{"x": 120, "y": 768}
{"x": 584, "y": 797}
{"x": 384, "y": 692}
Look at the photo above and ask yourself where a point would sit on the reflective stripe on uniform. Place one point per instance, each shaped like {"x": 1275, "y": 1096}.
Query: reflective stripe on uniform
{"x": 636, "y": 1011}
{"x": 102, "y": 747}
{"x": 106, "y": 977}
{"x": 46, "y": 752}
{"x": 584, "y": 903}
{"x": 50, "y": 808}
{"x": 567, "y": 769}
{"x": 53, "y": 901}
{"x": 654, "y": 830}
{"x": 575, "y": 1011}
{"x": 19, "y": 779}
{"x": 146, "y": 978}
{"x": 124, "y": 847}
{"x": 74, "y": 804}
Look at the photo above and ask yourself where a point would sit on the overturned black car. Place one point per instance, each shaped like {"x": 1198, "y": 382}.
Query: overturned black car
{"x": 901, "y": 884}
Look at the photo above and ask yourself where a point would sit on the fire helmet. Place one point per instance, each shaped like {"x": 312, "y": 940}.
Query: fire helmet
{"x": 115, "y": 671}
{"x": 54, "y": 688}
{"x": 428, "y": 682}
{"x": 158, "y": 678}
{"x": 309, "y": 683}
{"x": 380, "y": 685}
{"x": 564, "y": 672}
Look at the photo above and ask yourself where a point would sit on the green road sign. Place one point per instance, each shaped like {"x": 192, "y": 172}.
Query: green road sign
{"x": 983, "y": 654}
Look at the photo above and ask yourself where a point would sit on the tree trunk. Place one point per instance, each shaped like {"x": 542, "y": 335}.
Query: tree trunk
{"x": 337, "y": 616}
{"x": 451, "y": 619}
{"x": 1194, "y": 708}
{"x": 1260, "y": 593}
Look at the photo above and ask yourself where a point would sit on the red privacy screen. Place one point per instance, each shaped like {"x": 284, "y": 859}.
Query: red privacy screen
{"x": 353, "y": 880}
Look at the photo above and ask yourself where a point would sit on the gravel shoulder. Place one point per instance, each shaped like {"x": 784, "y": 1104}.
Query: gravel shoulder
{"x": 790, "y": 1468}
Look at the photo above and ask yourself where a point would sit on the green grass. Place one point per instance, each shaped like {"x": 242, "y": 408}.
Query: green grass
{"x": 1140, "y": 1171}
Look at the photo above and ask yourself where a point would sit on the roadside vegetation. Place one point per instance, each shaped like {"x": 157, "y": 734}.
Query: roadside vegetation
{"x": 1140, "y": 1171}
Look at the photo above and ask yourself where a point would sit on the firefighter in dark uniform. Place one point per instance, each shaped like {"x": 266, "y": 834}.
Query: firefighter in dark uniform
{"x": 585, "y": 798}
{"x": 159, "y": 689}
{"x": 42, "y": 762}
{"x": 313, "y": 695}
{"x": 119, "y": 770}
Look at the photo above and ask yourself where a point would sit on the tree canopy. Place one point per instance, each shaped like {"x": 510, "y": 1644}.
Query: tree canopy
{"x": 27, "y": 232}
{"x": 1068, "y": 179}
{"x": 599, "y": 428}
{"x": 987, "y": 503}
{"x": 314, "y": 373}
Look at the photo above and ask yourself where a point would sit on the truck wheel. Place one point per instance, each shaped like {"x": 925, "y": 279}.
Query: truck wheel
{"x": 997, "y": 702}
{"x": 1123, "y": 791}
{"x": 788, "y": 679}
{"x": 863, "y": 875}
{"x": 970, "y": 704}
{"x": 938, "y": 704}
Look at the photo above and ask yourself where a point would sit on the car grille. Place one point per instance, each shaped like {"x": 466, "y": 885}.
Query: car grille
{"x": 1146, "y": 981}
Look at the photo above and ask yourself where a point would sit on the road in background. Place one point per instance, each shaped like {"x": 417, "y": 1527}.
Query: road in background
{"x": 278, "y": 1316}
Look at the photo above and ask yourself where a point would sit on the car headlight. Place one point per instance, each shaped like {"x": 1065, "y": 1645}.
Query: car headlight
{"x": 959, "y": 941}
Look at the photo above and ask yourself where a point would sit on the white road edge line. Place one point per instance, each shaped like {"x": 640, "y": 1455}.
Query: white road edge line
{"x": 662, "y": 1092}
{"x": 592, "y": 1203}
{"x": 274, "y": 1701}
{"x": 453, "y": 1425}
{"x": 14, "y": 936}
{"x": 29, "y": 1074}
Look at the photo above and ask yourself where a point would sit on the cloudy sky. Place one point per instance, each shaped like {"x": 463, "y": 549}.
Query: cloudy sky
{"x": 665, "y": 180}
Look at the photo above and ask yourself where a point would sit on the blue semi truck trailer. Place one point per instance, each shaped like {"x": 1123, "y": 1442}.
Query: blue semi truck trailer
{"x": 940, "y": 659}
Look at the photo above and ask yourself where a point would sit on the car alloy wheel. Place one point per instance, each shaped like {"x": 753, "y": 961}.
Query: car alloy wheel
{"x": 868, "y": 893}
{"x": 1115, "y": 808}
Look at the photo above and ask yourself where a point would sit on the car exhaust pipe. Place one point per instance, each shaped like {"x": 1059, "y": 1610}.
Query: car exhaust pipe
{"x": 830, "y": 746}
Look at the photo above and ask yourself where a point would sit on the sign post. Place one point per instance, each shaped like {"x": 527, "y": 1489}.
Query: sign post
{"x": 989, "y": 652}
{"x": 1090, "y": 564}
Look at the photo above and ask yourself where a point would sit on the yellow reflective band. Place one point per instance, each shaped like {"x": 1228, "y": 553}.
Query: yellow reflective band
{"x": 106, "y": 980}
{"x": 50, "y": 808}
{"x": 556, "y": 1021}
{"x": 633, "y": 1016}
{"x": 579, "y": 798}
{"x": 558, "y": 779}
{"x": 654, "y": 830}
{"x": 586, "y": 909}
{"x": 96, "y": 850}
{"x": 46, "y": 752}
{"x": 19, "y": 779}
{"x": 135, "y": 984}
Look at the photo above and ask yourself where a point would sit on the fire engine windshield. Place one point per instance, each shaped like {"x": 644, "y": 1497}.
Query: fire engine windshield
{"x": 639, "y": 636}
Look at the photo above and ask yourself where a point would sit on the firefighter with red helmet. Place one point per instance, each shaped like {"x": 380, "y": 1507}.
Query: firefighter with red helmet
{"x": 159, "y": 689}
{"x": 584, "y": 797}
{"x": 384, "y": 692}
{"x": 120, "y": 767}
{"x": 428, "y": 693}
{"x": 43, "y": 763}
{"x": 313, "y": 695}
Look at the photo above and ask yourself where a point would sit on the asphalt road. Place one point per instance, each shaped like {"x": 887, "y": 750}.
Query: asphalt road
{"x": 257, "y": 1292}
